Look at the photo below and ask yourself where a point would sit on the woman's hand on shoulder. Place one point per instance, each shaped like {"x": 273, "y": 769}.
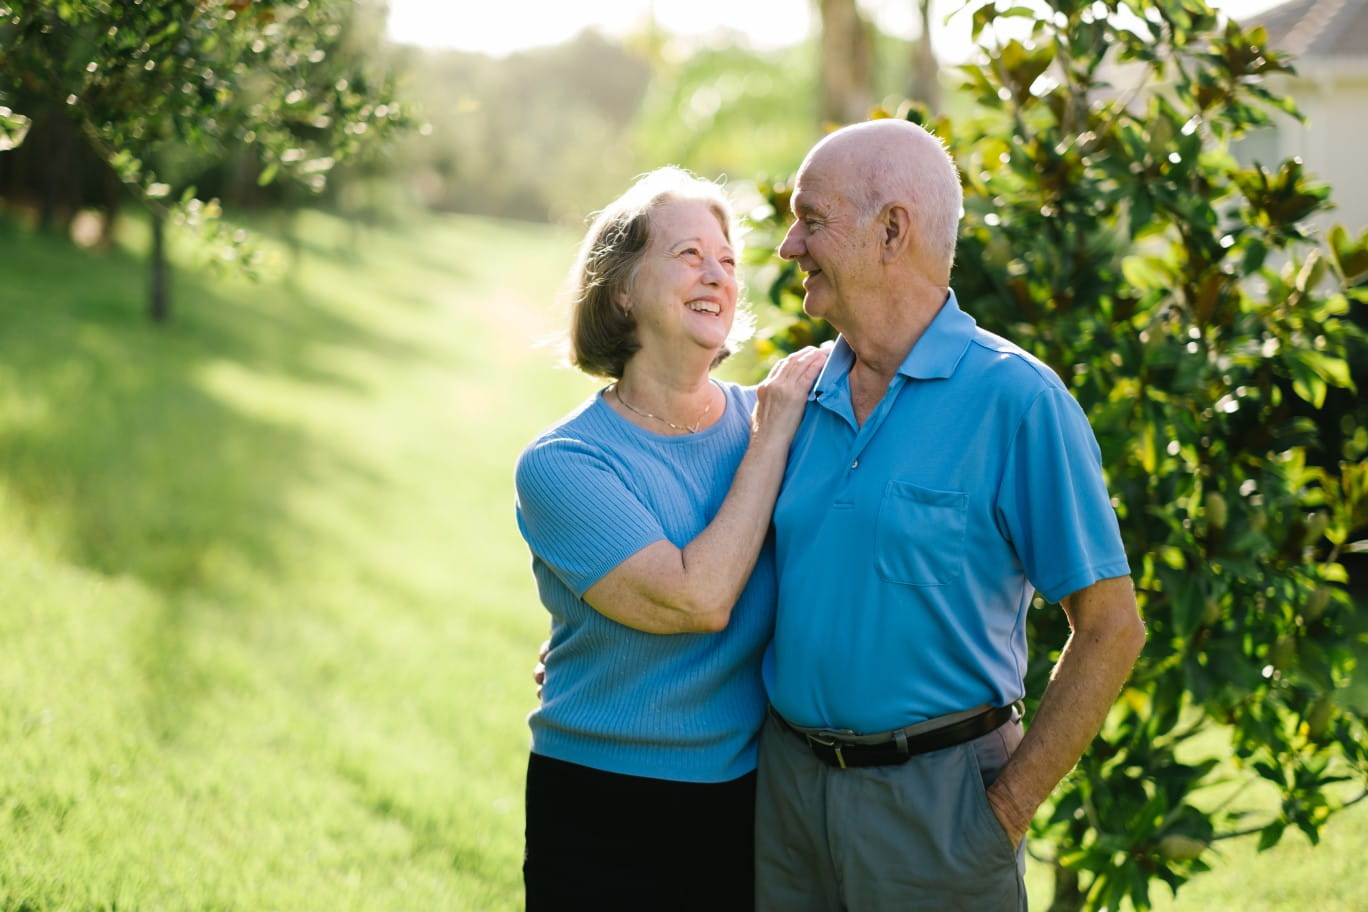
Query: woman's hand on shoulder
{"x": 782, "y": 396}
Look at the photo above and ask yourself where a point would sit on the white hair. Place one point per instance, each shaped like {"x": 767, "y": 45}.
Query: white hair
{"x": 907, "y": 164}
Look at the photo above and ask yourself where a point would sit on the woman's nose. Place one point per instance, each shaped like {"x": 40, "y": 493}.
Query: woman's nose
{"x": 714, "y": 272}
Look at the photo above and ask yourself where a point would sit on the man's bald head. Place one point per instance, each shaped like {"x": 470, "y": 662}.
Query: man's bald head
{"x": 882, "y": 162}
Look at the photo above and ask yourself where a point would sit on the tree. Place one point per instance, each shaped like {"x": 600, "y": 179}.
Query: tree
{"x": 847, "y": 64}
{"x": 162, "y": 90}
{"x": 1184, "y": 301}
{"x": 54, "y": 171}
{"x": 925, "y": 82}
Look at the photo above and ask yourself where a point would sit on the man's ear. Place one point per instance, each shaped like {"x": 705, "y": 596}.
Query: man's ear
{"x": 896, "y": 223}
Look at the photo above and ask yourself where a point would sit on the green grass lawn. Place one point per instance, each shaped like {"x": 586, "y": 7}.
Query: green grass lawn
{"x": 266, "y": 624}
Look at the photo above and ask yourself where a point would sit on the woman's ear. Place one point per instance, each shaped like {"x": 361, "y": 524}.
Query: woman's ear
{"x": 622, "y": 302}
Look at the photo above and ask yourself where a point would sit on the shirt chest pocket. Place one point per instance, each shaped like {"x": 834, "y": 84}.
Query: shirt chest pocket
{"x": 919, "y": 536}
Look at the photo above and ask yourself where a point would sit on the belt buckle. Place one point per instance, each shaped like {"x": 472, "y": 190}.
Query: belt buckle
{"x": 828, "y": 742}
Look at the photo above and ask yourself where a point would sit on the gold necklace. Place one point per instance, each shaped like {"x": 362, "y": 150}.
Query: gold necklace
{"x": 688, "y": 429}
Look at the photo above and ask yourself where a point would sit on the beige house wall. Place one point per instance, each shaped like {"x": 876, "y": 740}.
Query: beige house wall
{"x": 1333, "y": 142}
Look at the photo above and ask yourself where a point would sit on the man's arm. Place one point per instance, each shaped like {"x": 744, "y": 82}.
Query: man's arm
{"x": 1106, "y": 639}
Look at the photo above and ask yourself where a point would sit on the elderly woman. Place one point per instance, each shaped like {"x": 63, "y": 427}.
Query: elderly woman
{"x": 646, "y": 509}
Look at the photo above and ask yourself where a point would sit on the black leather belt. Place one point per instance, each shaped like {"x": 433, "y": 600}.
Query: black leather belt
{"x": 842, "y": 749}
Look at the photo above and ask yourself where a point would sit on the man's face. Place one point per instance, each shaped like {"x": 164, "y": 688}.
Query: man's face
{"x": 830, "y": 239}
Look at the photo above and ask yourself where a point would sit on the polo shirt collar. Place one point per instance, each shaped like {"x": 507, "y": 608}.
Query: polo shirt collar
{"x": 833, "y": 373}
{"x": 941, "y": 345}
{"x": 935, "y": 356}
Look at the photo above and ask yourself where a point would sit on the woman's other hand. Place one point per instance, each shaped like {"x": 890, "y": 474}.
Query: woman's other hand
{"x": 539, "y": 670}
{"x": 782, "y": 396}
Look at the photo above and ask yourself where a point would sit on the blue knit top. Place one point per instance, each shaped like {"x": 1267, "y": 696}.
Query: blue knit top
{"x": 593, "y": 490}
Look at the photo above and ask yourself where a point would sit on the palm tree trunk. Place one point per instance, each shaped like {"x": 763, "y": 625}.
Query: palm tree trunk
{"x": 847, "y": 65}
{"x": 925, "y": 68}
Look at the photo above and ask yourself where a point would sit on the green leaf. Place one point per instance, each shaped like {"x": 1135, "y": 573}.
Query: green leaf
{"x": 1330, "y": 369}
{"x": 1023, "y": 66}
{"x": 1254, "y": 254}
{"x": 13, "y": 129}
{"x": 1270, "y": 835}
{"x": 1306, "y": 383}
{"x": 1270, "y": 772}
{"x": 1148, "y": 449}
{"x": 1145, "y": 272}
{"x": 1350, "y": 255}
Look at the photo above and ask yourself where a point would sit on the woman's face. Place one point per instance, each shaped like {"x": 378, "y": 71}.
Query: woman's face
{"x": 684, "y": 292}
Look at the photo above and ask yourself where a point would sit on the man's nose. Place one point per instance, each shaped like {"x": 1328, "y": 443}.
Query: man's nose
{"x": 792, "y": 246}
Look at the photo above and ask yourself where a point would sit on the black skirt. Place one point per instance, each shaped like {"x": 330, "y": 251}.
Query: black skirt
{"x": 606, "y": 841}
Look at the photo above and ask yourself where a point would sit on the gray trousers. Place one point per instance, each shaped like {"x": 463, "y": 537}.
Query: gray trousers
{"x": 917, "y": 836}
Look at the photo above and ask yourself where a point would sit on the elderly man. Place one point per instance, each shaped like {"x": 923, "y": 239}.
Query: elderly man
{"x": 941, "y": 475}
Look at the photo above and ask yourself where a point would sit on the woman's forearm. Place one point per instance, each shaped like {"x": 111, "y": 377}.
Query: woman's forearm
{"x": 666, "y": 589}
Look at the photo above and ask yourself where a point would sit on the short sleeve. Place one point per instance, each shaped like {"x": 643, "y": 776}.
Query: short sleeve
{"x": 1053, "y": 500}
{"x": 576, "y": 513}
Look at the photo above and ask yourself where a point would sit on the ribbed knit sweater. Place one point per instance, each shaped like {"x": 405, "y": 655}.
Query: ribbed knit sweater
{"x": 593, "y": 490}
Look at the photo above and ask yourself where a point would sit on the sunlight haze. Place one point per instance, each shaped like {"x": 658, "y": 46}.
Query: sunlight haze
{"x": 502, "y": 28}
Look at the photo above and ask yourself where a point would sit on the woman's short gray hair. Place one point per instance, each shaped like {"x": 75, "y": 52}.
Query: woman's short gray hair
{"x": 603, "y": 334}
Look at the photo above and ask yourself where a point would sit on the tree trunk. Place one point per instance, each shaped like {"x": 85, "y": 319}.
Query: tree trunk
{"x": 110, "y": 194}
{"x": 54, "y": 202}
{"x": 1067, "y": 895}
{"x": 160, "y": 303}
{"x": 847, "y": 71}
{"x": 925, "y": 69}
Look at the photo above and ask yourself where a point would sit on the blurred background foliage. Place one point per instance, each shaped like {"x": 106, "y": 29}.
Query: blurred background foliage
{"x": 542, "y": 134}
{"x": 141, "y": 102}
{"x": 535, "y": 135}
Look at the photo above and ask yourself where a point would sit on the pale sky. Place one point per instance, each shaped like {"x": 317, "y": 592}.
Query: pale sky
{"x": 500, "y": 27}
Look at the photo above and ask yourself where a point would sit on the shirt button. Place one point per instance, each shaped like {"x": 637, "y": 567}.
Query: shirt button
{"x": 855, "y": 464}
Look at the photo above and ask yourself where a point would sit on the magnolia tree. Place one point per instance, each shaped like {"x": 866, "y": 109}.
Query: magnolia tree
{"x": 1182, "y": 298}
{"x": 162, "y": 90}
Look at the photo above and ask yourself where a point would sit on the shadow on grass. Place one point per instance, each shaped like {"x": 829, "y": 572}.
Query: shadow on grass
{"x": 351, "y": 242}
{"x": 124, "y": 463}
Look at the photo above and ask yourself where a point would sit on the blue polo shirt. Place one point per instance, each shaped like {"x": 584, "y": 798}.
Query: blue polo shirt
{"x": 908, "y": 549}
